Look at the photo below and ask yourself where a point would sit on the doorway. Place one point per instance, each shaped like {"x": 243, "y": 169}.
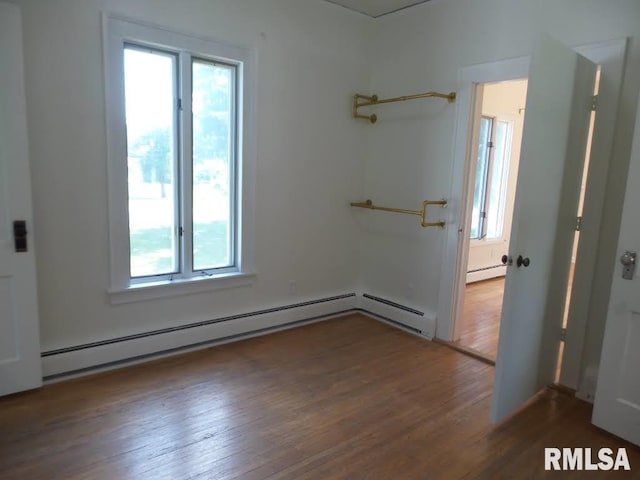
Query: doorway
{"x": 495, "y": 154}
{"x": 498, "y": 122}
{"x": 534, "y": 299}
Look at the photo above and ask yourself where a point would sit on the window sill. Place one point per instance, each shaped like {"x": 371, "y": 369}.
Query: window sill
{"x": 173, "y": 288}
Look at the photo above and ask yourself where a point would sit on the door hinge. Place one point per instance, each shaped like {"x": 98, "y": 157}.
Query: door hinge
{"x": 563, "y": 334}
{"x": 179, "y": 104}
{"x": 594, "y": 103}
{"x": 578, "y": 224}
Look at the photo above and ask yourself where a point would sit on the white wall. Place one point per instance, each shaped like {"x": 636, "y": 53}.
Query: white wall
{"x": 423, "y": 48}
{"x": 504, "y": 100}
{"x": 309, "y": 163}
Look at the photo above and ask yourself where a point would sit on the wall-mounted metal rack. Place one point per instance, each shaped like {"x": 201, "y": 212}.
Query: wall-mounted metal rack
{"x": 360, "y": 101}
{"x": 368, "y": 204}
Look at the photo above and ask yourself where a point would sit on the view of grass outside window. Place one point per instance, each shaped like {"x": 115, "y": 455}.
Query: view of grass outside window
{"x": 179, "y": 227}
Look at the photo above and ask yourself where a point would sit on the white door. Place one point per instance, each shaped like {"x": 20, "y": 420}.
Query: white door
{"x": 617, "y": 401}
{"x": 561, "y": 85}
{"x": 20, "y": 367}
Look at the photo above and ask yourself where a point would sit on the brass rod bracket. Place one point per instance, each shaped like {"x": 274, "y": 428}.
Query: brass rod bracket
{"x": 360, "y": 101}
{"x": 423, "y": 217}
{"x": 368, "y": 204}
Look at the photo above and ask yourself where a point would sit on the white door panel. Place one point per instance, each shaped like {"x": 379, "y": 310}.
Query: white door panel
{"x": 554, "y": 142}
{"x": 617, "y": 401}
{"x": 20, "y": 366}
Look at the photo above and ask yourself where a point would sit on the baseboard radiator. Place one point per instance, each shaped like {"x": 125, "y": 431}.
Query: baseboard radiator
{"x": 115, "y": 352}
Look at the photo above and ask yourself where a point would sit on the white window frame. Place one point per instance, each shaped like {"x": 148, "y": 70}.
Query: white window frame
{"x": 504, "y": 185}
{"x": 506, "y": 174}
{"x": 118, "y": 32}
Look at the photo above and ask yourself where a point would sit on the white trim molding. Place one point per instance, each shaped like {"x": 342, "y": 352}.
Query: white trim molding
{"x": 150, "y": 291}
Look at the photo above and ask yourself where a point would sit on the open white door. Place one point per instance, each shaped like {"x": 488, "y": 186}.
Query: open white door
{"x": 20, "y": 366}
{"x": 559, "y": 99}
{"x": 617, "y": 401}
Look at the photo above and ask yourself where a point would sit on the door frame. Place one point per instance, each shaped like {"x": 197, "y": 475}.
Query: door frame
{"x": 457, "y": 242}
{"x": 21, "y": 363}
{"x": 610, "y": 55}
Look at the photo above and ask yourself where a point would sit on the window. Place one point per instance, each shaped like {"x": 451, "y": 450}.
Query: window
{"x": 492, "y": 177}
{"x": 181, "y": 156}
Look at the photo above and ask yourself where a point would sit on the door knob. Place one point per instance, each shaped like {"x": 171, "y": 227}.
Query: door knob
{"x": 523, "y": 262}
{"x": 507, "y": 260}
{"x": 628, "y": 261}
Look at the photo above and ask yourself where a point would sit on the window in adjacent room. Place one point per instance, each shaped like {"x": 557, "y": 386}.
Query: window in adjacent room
{"x": 492, "y": 177}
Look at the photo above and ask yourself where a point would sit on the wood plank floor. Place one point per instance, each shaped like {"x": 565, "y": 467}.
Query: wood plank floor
{"x": 349, "y": 398}
{"x": 481, "y": 316}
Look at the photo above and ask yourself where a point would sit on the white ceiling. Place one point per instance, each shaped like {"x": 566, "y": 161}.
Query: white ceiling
{"x": 376, "y": 8}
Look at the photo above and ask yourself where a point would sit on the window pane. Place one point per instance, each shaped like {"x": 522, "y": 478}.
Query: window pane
{"x": 213, "y": 165}
{"x": 150, "y": 88}
{"x": 497, "y": 191}
{"x": 481, "y": 178}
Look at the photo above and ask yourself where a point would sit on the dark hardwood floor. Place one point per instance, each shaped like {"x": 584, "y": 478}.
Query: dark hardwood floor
{"x": 481, "y": 316}
{"x": 349, "y": 398}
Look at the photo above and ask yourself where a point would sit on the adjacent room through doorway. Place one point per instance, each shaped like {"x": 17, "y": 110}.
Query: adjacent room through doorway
{"x": 497, "y": 139}
{"x": 493, "y": 179}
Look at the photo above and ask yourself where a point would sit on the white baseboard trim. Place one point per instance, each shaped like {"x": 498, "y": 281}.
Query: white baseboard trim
{"x": 395, "y": 312}
{"x": 486, "y": 274}
{"x": 114, "y": 353}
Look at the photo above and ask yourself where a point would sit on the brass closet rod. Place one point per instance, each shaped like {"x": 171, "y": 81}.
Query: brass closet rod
{"x": 367, "y": 101}
{"x": 420, "y": 213}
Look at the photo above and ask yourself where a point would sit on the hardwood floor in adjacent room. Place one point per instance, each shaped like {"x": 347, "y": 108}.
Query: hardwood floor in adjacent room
{"x": 349, "y": 398}
{"x": 481, "y": 316}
